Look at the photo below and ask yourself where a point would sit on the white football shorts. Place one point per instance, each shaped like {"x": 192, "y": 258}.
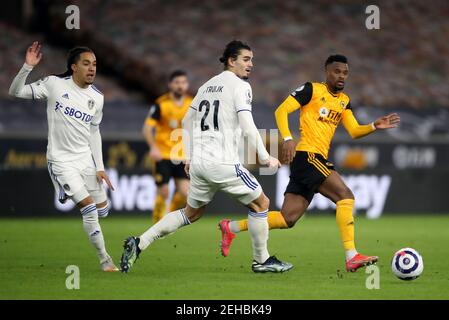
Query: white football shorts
{"x": 206, "y": 178}
{"x": 76, "y": 180}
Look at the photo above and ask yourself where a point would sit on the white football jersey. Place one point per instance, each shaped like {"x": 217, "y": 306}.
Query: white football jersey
{"x": 71, "y": 110}
{"x": 216, "y": 129}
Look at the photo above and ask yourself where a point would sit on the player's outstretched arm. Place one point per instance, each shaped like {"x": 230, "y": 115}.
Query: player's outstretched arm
{"x": 387, "y": 122}
{"x": 357, "y": 131}
{"x": 32, "y": 58}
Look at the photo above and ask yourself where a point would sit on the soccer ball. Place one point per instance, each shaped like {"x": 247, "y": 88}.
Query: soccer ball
{"x": 407, "y": 264}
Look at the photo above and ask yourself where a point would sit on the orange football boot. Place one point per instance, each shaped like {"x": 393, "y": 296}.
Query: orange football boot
{"x": 358, "y": 261}
{"x": 226, "y": 237}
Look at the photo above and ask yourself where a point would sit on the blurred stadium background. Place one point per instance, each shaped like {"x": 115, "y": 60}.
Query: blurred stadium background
{"x": 403, "y": 67}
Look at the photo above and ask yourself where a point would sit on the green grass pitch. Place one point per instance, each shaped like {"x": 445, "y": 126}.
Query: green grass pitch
{"x": 34, "y": 254}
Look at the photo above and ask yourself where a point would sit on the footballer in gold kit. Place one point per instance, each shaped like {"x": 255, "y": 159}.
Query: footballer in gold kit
{"x": 166, "y": 151}
{"x": 322, "y": 107}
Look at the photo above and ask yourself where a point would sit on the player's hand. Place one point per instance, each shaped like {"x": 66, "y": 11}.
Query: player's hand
{"x": 101, "y": 175}
{"x": 155, "y": 154}
{"x": 288, "y": 151}
{"x": 187, "y": 169}
{"x": 34, "y": 54}
{"x": 272, "y": 163}
{"x": 386, "y": 122}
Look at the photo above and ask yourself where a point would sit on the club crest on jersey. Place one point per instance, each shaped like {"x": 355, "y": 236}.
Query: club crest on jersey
{"x": 342, "y": 104}
{"x": 324, "y": 112}
{"x": 248, "y": 97}
{"x": 90, "y": 104}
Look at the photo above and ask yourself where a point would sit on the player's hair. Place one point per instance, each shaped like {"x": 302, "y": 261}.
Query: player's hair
{"x": 177, "y": 73}
{"x": 232, "y": 50}
{"x": 335, "y": 58}
{"x": 72, "y": 58}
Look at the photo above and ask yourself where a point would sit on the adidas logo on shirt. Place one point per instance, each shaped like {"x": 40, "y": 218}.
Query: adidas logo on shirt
{"x": 66, "y": 95}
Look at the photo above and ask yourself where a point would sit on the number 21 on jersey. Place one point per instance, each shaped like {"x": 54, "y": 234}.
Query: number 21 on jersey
{"x": 206, "y": 104}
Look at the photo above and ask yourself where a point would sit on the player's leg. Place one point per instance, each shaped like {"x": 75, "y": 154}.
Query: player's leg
{"x": 169, "y": 223}
{"x": 200, "y": 194}
{"x": 336, "y": 190}
{"x": 59, "y": 189}
{"x": 94, "y": 232}
{"x": 293, "y": 208}
{"x": 162, "y": 174}
{"x": 258, "y": 229}
{"x": 179, "y": 199}
{"x": 298, "y": 194}
{"x": 239, "y": 183}
{"x": 103, "y": 208}
{"x": 160, "y": 202}
{"x": 70, "y": 178}
{"x": 97, "y": 198}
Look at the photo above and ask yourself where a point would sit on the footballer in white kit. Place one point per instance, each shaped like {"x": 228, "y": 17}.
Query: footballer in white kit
{"x": 213, "y": 126}
{"x": 74, "y": 155}
{"x": 216, "y": 134}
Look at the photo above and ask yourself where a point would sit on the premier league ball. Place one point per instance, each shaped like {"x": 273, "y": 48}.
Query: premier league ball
{"x": 407, "y": 264}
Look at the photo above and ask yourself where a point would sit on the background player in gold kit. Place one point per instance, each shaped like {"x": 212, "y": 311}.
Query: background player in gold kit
{"x": 165, "y": 116}
{"x": 322, "y": 107}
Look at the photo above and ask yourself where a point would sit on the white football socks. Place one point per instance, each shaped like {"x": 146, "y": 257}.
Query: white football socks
{"x": 168, "y": 224}
{"x": 258, "y": 228}
{"x": 234, "y": 227}
{"x": 93, "y": 230}
{"x": 350, "y": 254}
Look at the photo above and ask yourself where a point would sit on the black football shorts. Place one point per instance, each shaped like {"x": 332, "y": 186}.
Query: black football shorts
{"x": 308, "y": 171}
{"x": 165, "y": 169}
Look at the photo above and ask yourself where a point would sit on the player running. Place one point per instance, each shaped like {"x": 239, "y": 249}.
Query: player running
{"x": 74, "y": 155}
{"x": 164, "y": 117}
{"x": 322, "y": 107}
{"x": 219, "y": 113}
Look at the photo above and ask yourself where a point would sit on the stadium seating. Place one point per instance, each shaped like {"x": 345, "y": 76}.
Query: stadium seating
{"x": 402, "y": 65}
